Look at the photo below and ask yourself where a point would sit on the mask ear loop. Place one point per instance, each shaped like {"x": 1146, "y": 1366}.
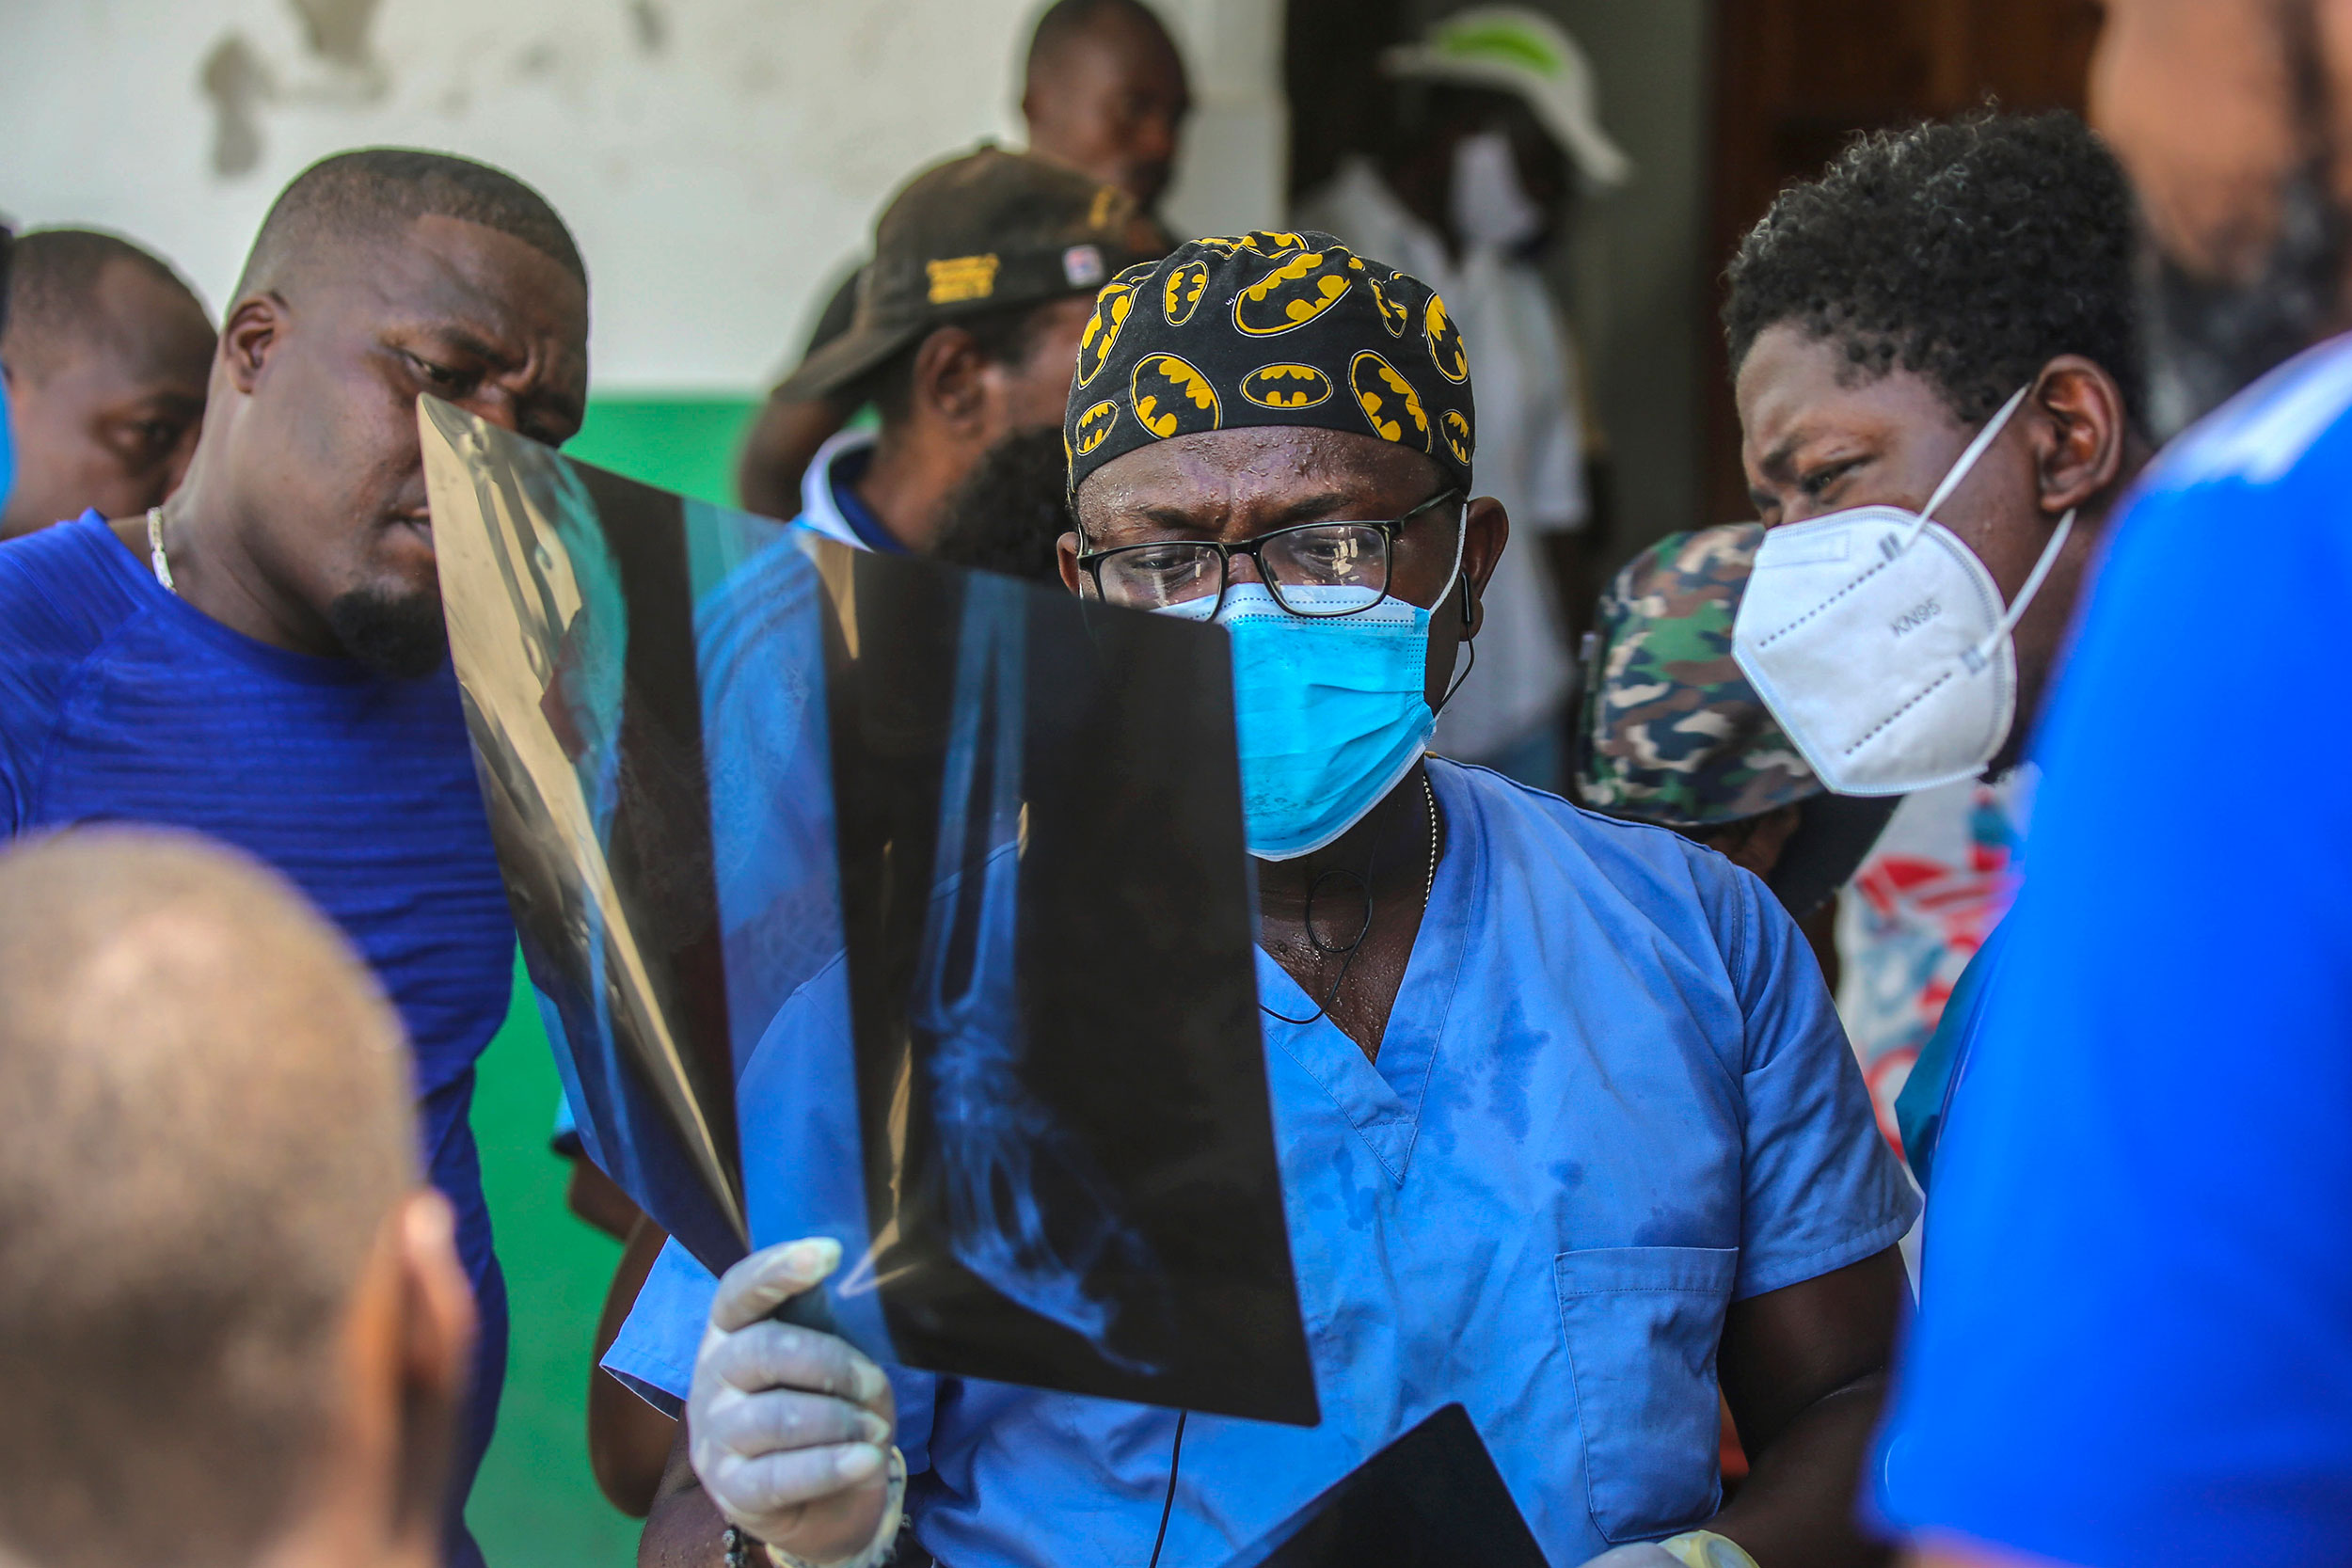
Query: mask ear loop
{"x": 1960, "y": 469}
{"x": 1461, "y": 537}
{"x": 1975, "y": 657}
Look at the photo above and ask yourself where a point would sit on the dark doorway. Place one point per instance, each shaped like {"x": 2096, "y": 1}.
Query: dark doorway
{"x": 1330, "y": 70}
{"x": 1794, "y": 79}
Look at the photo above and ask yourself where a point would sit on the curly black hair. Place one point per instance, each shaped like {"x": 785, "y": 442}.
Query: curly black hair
{"x": 1970, "y": 252}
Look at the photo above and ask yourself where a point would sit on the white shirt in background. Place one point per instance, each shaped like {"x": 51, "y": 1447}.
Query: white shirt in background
{"x": 1529, "y": 453}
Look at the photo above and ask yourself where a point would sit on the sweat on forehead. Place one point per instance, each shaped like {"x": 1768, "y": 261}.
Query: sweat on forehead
{"x": 377, "y": 193}
{"x": 1244, "y": 476}
{"x": 1269, "y": 329}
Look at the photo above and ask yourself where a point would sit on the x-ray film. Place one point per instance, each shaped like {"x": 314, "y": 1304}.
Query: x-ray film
{"x": 1431, "y": 1500}
{"x": 872, "y": 898}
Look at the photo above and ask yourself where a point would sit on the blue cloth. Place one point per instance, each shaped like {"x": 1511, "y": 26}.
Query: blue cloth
{"x": 1612, "y": 1099}
{"x": 119, "y": 701}
{"x": 1942, "y": 1062}
{"x": 2135, "y": 1342}
{"x": 842, "y": 474}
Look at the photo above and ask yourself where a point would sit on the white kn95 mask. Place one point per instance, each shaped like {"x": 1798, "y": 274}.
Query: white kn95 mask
{"x": 1880, "y": 642}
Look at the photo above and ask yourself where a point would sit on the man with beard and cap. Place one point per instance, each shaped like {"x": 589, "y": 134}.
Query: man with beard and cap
{"x": 1940, "y": 394}
{"x": 261, "y": 658}
{"x": 1478, "y": 173}
{"x": 106, "y": 354}
{"x": 1104, "y": 93}
{"x": 967, "y": 321}
{"x": 2135, "y": 1345}
{"x": 1564, "y": 1119}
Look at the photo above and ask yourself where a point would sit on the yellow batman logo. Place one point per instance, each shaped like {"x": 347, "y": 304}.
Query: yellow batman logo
{"x": 1445, "y": 342}
{"x": 1171, "y": 398}
{"x": 1094, "y": 426}
{"x": 1394, "y": 313}
{"x": 1265, "y": 241}
{"x": 1102, "y": 334}
{"x": 1456, "y": 427}
{"x": 1182, "y": 293}
{"x": 1286, "y": 386}
{"x": 1291, "y": 295}
{"x": 1389, "y": 401}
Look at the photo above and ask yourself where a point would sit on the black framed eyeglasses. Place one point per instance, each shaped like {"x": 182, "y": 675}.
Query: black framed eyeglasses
{"x": 1320, "y": 570}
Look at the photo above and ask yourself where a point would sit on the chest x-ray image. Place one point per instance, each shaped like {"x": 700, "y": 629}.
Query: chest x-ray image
{"x": 869, "y": 897}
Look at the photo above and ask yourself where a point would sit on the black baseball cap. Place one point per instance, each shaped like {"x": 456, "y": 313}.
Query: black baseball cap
{"x": 975, "y": 234}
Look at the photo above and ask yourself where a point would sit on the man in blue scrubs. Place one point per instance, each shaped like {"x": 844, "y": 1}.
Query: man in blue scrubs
{"x": 263, "y": 660}
{"x": 2134, "y": 1341}
{"x": 1569, "y": 1130}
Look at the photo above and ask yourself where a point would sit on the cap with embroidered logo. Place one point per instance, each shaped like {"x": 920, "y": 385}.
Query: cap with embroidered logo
{"x": 977, "y": 233}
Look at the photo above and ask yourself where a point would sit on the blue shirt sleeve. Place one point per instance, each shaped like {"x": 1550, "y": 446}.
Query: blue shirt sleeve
{"x": 653, "y": 1355}
{"x": 2134, "y": 1341}
{"x": 1822, "y": 1189}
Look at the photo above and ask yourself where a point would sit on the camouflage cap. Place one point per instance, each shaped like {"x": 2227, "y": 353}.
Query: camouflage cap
{"x": 1669, "y": 731}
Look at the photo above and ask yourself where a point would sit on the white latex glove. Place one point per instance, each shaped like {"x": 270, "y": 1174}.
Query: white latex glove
{"x": 1699, "y": 1548}
{"x": 789, "y": 1429}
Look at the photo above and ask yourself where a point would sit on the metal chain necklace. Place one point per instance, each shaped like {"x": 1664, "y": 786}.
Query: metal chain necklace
{"x": 155, "y": 556}
{"x": 1347, "y": 954}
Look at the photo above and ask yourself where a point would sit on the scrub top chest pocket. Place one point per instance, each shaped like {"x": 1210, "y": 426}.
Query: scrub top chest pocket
{"x": 1641, "y": 1325}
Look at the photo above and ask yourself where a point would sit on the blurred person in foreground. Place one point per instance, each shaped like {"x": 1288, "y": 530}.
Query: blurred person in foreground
{"x": 1104, "y": 94}
{"x": 2134, "y": 1343}
{"x": 1497, "y": 123}
{"x": 1941, "y": 327}
{"x": 106, "y": 354}
{"x": 1451, "y": 965}
{"x": 262, "y": 657}
{"x": 1670, "y": 732}
{"x": 234, "y": 1331}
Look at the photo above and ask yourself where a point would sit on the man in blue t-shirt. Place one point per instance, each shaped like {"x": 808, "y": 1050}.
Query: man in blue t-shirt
{"x": 263, "y": 658}
{"x": 2135, "y": 1344}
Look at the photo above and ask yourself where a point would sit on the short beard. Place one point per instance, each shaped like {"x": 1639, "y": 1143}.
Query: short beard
{"x": 1010, "y": 512}
{"x": 401, "y": 638}
{"x": 2208, "y": 339}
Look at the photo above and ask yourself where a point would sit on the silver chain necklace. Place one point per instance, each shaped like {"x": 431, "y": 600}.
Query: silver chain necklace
{"x": 155, "y": 556}
{"x": 1431, "y": 796}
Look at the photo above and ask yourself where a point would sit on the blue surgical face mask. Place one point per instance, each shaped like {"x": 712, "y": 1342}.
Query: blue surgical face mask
{"x": 1330, "y": 712}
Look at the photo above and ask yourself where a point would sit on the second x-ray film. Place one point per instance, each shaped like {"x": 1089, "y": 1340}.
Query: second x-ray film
{"x": 871, "y": 899}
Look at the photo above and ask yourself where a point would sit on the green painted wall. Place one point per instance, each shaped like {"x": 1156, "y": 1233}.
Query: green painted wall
{"x": 535, "y": 1505}
{"x": 680, "y": 443}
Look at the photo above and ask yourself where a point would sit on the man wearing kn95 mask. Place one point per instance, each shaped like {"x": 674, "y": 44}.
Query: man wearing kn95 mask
{"x": 1939, "y": 384}
{"x": 1568, "y": 1132}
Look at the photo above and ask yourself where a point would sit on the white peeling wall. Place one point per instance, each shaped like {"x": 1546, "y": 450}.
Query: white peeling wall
{"x": 720, "y": 160}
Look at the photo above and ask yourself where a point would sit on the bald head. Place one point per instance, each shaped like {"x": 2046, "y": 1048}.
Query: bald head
{"x": 1105, "y": 93}
{"x": 207, "y": 1129}
{"x": 107, "y": 353}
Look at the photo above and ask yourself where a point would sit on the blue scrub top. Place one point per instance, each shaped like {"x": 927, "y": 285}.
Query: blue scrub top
{"x": 2135, "y": 1334}
{"x": 1612, "y": 1099}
